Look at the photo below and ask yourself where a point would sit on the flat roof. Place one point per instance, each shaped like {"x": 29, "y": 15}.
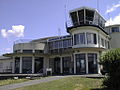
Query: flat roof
{"x": 4, "y": 58}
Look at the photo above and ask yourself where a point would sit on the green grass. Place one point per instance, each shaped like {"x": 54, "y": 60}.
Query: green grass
{"x": 11, "y": 81}
{"x": 70, "y": 83}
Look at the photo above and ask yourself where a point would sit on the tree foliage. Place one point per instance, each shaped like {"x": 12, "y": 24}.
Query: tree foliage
{"x": 111, "y": 63}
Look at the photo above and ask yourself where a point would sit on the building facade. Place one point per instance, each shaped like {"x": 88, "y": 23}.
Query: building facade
{"x": 76, "y": 53}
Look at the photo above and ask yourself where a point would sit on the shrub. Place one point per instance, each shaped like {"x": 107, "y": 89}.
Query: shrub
{"x": 111, "y": 63}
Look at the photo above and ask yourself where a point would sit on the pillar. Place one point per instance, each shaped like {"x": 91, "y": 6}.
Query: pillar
{"x": 13, "y": 65}
{"x": 20, "y": 65}
{"x": 33, "y": 64}
{"x": 86, "y": 63}
{"x": 61, "y": 65}
{"x": 74, "y": 65}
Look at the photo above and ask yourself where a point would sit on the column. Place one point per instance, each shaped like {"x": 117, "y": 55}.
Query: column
{"x": 13, "y": 65}
{"x": 86, "y": 63}
{"x": 20, "y": 64}
{"x": 98, "y": 66}
{"x": 74, "y": 64}
{"x": 61, "y": 65}
{"x": 33, "y": 64}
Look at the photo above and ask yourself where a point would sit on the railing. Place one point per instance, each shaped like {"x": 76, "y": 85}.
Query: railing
{"x": 22, "y": 41}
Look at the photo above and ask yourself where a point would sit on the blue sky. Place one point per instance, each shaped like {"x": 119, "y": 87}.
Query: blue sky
{"x": 33, "y": 19}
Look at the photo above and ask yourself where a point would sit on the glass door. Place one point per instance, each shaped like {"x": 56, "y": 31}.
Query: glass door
{"x": 92, "y": 63}
{"x": 80, "y": 64}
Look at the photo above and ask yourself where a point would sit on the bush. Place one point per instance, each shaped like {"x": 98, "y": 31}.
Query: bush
{"x": 111, "y": 63}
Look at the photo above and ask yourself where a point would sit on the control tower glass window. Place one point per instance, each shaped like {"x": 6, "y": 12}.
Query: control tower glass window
{"x": 89, "y": 16}
{"x": 74, "y": 18}
{"x": 81, "y": 16}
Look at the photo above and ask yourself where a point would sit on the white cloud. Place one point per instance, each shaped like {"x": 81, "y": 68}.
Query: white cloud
{"x": 113, "y": 8}
{"x": 112, "y": 21}
{"x": 17, "y": 31}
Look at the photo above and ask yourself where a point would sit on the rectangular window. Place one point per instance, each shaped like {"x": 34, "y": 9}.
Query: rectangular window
{"x": 27, "y": 51}
{"x": 115, "y": 29}
{"x": 91, "y": 38}
{"x": 82, "y": 38}
{"x": 95, "y": 39}
{"x": 26, "y": 64}
{"x": 102, "y": 42}
{"x": 74, "y": 18}
{"x": 76, "y": 39}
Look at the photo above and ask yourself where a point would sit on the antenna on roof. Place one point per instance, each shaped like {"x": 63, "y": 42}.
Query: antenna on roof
{"x": 98, "y": 5}
{"x": 65, "y": 12}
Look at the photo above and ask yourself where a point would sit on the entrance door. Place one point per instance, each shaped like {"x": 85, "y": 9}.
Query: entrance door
{"x": 80, "y": 63}
{"x": 38, "y": 65}
{"x": 92, "y": 63}
{"x": 57, "y": 65}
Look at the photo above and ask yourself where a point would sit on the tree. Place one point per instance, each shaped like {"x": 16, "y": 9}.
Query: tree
{"x": 111, "y": 63}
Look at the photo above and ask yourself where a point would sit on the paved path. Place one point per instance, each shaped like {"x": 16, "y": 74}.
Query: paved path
{"x": 18, "y": 85}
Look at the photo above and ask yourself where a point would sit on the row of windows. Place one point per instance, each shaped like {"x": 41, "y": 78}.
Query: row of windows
{"x": 113, "y": 29}
{"x": 60, "y": 44}
{"x": 80, "y": 38}
{"x": 28, "y": 51}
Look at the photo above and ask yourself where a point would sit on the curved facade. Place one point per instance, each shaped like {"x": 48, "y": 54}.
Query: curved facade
{"x": 76, "y": 53}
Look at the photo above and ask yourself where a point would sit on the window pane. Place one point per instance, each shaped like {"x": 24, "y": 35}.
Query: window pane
{"x": 27, "y": 64}
{"x": 82, "y": 38}
{"x": 74, "y": 18}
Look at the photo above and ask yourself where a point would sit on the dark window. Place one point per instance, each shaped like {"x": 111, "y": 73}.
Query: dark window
{"x": 27, "y": 65}
{"x": 89, "y": 15}
{"x": 38, "y": 64}
{"x": 92, "y": 63}
{"x": 80, "y": 63}
{"x": 74, "y": 18}
{"x": 38, "y": 51}
{"x": 27, "y": 51}
{"x": 115, "y": 29}
{"x": 95, "y": 39}
{"x": 17, "y": 64}
{"x": 81, "y": 16}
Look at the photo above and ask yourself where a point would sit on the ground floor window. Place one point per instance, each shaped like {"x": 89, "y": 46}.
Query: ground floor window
{"x": 80, "y": 63}
{"x": 57, "y": 65}
{"x": 17, "y": 64}
{"x": 26, "y": 64}
{"x": 92, "y": 63}
{"x": 38, "y": 64}
{"x": 68, "y": 65}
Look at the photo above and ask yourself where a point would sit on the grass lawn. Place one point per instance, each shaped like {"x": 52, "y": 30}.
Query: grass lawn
{"x": 69, "y": 83}
{"x": 12, "y": 81}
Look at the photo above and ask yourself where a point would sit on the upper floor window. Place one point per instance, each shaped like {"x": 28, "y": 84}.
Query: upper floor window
{"x": 115, "y": 29}
{"x": 91, "y": 38}
{"x": 102, "y": 42}
{"x": 27, "y": 51}
{"x": 79, "y": 38}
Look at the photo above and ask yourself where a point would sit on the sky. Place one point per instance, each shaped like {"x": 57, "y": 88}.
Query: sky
{"x": 34, "y": 19}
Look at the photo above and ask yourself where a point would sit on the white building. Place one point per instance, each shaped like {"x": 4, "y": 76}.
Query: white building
{"x": 76, "y": 53}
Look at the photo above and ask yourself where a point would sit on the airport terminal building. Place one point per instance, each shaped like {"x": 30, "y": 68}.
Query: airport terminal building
{"x": 76, "y": 53}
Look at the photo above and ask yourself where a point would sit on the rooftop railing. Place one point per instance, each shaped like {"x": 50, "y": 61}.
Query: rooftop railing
{"x": 22, "y": 41}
